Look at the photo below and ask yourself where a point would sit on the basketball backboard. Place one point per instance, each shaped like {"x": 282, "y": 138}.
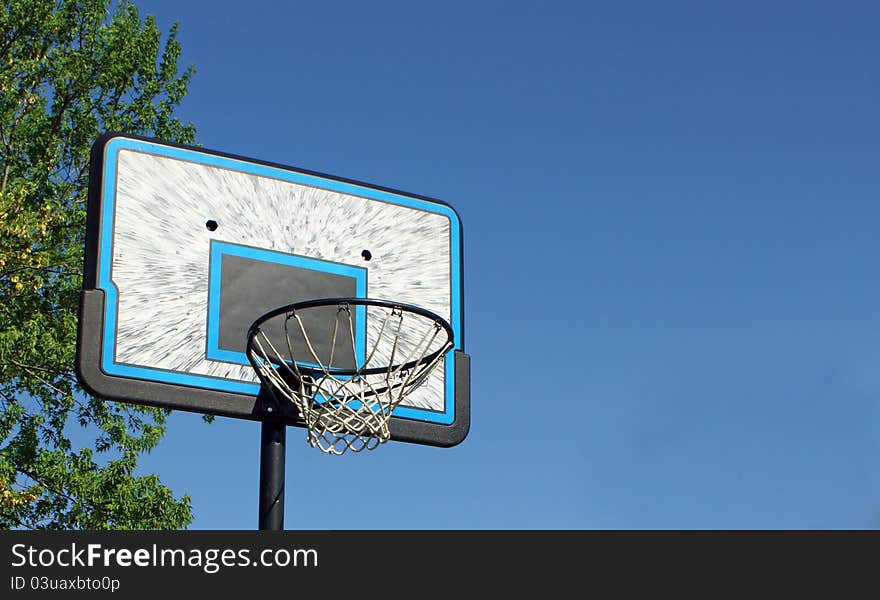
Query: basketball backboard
{"x": 186, "y": 247}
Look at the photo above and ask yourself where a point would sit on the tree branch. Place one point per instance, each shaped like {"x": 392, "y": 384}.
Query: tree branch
{"x": 12, "y": 517}
{"x": 89, "y": 505}
{"x": 31, "y": 368}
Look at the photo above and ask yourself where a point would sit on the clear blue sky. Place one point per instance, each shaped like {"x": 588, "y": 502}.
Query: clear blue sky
{"x": 671, "y": 220}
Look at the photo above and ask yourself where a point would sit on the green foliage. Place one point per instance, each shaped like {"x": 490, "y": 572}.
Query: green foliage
{"x": 70, "y": 70}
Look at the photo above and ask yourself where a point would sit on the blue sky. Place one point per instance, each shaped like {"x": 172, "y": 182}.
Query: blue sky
{"x": 671, "y": 242}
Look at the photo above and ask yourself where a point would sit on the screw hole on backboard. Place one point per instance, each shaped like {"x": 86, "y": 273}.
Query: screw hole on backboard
{"x": 211, "y": 224}
{"x": 367, "y": 254}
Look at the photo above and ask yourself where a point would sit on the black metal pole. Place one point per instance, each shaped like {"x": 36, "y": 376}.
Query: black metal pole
{"x": 272, "y": 446}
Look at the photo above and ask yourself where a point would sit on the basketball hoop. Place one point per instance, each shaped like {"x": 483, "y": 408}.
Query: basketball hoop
{"x": 347, "y": 406}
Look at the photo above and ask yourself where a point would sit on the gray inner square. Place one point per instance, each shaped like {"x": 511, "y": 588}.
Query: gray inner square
{"x": 250, "y": 288}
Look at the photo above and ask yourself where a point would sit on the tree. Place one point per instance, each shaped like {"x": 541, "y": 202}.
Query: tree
{"x": 70, "y": 70}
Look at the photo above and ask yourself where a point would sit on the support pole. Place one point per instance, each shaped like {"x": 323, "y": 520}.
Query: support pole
{"x": 272, "y": 451}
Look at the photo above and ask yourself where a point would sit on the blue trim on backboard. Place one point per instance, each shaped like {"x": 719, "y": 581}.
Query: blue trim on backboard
{"x": 105, "y": 260}
{"x": 213, "y": 350}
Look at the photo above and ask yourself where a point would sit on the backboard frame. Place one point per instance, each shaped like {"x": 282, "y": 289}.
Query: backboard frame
{"x": 92, "y": 322}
